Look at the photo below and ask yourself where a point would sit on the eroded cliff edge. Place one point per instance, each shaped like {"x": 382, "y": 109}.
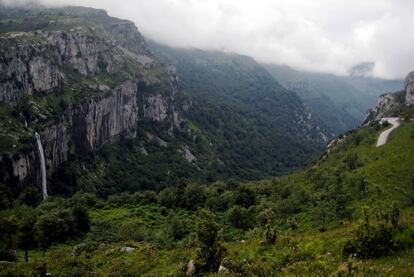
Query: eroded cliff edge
{"x": 80, "y": 79}
{"x": 393, "y": 104}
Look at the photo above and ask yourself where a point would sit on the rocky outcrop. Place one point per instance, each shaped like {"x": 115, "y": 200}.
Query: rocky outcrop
{"x": 109, "y": 104}
{"x": 409, "y": 89}
{"x": 87, "y": 54}
{"x": 191, "y": 268}
{"x": 100, "y": 120}
{"x": 386, "y": 103}
{"x": 390, "y": 104}
{"x": 26, "y": 68}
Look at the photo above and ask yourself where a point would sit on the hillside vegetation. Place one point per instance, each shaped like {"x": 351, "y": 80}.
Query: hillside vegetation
{"x": 340, "y": 102}
{"x": 257, "y": 127}
{"x": 350, "y": 213}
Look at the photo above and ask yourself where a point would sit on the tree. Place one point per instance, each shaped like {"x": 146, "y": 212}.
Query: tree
{"x": 26, "y": 233}
{"x": 6, "y": 197}
{"x": 266, "y": 216}
{"x": 245, "y": 197}
{"x": 81, "y": 219}
{"x": 194, "y": 196}
{"x": 7, "y": 236}
{"x": 323, "y": 213}
{"x": 176, "y": 228}
{"x": 169, "y": 197}
{"x": 351, "y": 161}
{"x": 31, "y": 197}
{"x": 270, "y": 234}
{"x": 210, "y": 250}
{"x": 240, "y": 217}
{"x": 50, "y": 228}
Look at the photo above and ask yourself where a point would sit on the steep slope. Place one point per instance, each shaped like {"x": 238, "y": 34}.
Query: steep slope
{"x": 257, "y": 127}
{"x": 340, "y": 102}
{"x": 80, "y": 79}
{"x": 355, "y": 195}
{"x": 396, "y": 104}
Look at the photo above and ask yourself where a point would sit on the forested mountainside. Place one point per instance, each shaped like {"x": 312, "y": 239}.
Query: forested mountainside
{"x": 348, "y": 214}
{"x": 104, "y": 106}
{"x": 339, "y": 102}
{"x": 257, "y": 127}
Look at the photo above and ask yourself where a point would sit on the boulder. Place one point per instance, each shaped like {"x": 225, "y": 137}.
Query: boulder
{"x": 77, "y": 249}
{"x": 191, "y": 268}
{"x": 127, "y": 249}
{"x": 223, "y": 269}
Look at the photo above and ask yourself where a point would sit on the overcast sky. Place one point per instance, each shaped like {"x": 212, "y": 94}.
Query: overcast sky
{"x": 315, "y": 35}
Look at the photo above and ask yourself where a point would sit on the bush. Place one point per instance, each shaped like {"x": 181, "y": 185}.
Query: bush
{"x": 176, "y": 228}
{"x": 270, "y": 234}
{"x": 374, "y": 239}
{"x": 31, "y": 197}
{"x": 81, "y": 219}
{"x": 169, "y": 197}
{"x": 245, "y": 197}
{"x": 210, "y": 250}
{"x": 240, "y": 217}
{"x": 370, "y": 241}
{"x": 134, "y": 230}
{"x": 194, "y": 197}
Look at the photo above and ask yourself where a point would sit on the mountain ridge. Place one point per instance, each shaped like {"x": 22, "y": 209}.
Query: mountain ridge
{"x": 340, "y": 102}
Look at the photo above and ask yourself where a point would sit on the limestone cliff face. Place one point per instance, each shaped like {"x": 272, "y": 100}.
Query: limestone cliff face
{"x": 391, "y": 103}
{"x": 119, "y": 83}
{"x": 26, "y": 69}
{"x": 101, "y": 119}
{"x": 386, "y": 103}
{"x": 409, "y": 89}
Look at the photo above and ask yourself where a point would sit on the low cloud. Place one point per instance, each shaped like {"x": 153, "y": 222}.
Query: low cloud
{"x": 318, "y": 35}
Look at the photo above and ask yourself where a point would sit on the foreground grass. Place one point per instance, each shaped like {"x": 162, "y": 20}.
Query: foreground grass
{"x": 295, "y": 253}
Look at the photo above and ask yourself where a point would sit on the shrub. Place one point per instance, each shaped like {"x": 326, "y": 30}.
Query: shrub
{"x": 240, "y": 217}
{"x": 193, "y": 197}
{"x": 134, "y": 230}
{"x": 81, "y": 219}
{"x": 374, "y": 239}
{"x": 31, "y": 197}
{"x": 370, "y": 241}
{"x": 169, "y": 197}
{"x": 210, "y": 250}
{"x": 270, "y": 234}
{"x": 245, "y": 197}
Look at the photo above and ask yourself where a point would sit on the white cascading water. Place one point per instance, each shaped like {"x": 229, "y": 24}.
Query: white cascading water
{"x": 42, "y": 165}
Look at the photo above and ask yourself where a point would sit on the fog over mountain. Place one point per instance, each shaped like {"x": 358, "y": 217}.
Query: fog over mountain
{"x": 321, "y": 35}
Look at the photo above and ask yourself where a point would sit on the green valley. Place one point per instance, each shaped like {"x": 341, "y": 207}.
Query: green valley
{"x": 120, "y": 156}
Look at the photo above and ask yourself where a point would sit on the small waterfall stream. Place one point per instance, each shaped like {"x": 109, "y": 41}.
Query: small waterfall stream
{"x": 42, "y": 165}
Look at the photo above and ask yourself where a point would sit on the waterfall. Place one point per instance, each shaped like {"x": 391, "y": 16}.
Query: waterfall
{"x": 42, "y": 165}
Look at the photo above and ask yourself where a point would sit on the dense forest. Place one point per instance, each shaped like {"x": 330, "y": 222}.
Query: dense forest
{"x": 245, "y": 112}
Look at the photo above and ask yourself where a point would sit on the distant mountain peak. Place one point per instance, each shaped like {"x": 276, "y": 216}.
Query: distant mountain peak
{"x": 362, "y": 69}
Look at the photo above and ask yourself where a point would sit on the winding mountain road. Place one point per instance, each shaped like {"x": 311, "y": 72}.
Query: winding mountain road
{"x": 383, "y": 137}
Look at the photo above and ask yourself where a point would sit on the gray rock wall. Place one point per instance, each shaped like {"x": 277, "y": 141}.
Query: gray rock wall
{"x": 409, "y": 89}
{"x": 33, "y": 62}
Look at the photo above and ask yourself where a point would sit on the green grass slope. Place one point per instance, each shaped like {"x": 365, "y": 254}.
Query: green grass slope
{"x": 313, "y": 214}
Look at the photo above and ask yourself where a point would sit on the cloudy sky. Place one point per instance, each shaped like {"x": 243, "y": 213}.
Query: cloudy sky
{"x": 315, "y": 35}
